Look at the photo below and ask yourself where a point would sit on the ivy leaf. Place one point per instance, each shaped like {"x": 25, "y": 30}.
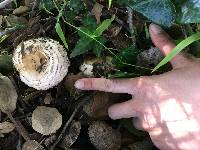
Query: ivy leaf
{"x": 47, "y": 5}
{"x": 97, "y": 48}
{"x": 159, "y": 11}
{"x": 89, "y": 22}
{"x": 87, "y": 42}
{"x": 127, "y": 55}
{"x": 81, "y": 47}
{"x": 61, "y": 34}
{"x": 76, "y": 5}
{"x": 69, "y": 15}
{"x": 188, "y": 11}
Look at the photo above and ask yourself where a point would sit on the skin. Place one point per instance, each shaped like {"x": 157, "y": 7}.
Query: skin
{"x": 166, "y": 105}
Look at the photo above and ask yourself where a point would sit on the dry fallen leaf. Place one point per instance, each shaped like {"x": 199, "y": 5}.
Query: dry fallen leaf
{"x": 8, "y": 95}
{"x": 117, "y": 37}
{"x": 97, "y": 11}
{"x": 20, "y": 10}
{"x": 29, "y": 3}
{"x": 46, "y": 120}
{"x": 103, "y": 137}
{"x": 69, "y": 83}
{"x": 32, "y": 145}
{"x": 12, "y": 20}
{"x": 6, "y": 127}
{"x": 72, "y": 135}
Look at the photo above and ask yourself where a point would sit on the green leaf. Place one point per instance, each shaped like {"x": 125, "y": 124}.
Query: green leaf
{"x": 121, "y": 74}
{"x": 69, "y": 15}
{"x": 6, "y": 65}
{"x": 81, "y": 47}
{"x": 61, "y": 34}
{"x": 96, "y": 47}
{"x": 3, "y": 38}
{"x": 127, "y": 55}
{"x": 103, "y": 26}
{"x": 178, "y": 49}
{"x": 46, "y": 4}
{"x": 76, "y": 5}
{"x": 89, "y": 22}
{"x": 159, "y": 11}
{"x": 188, "y": 11}
{"x": 90, "y": 36}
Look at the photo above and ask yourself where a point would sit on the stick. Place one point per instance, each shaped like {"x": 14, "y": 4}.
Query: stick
{"x": 4, "y": 3}
{"x": 22, "y": 131}
{"x": 69, "y": 121}
{"x": 131, "y": 27}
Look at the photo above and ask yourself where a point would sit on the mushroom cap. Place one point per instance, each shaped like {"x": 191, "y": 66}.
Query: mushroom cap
{"x": 42, "y": 63}
{"x": 103, "y": 137}
{"x": 32, "y": 145}
{"x": 46, "y": 120}
{"x": 8, "y": 95}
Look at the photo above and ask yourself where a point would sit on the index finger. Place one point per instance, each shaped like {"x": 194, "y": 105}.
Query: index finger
{"x": 130, "y": 86}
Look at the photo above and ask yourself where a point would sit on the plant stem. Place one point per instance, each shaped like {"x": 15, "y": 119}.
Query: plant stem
{"x": 131, "y": 27}
{"x": 70, "y": 120}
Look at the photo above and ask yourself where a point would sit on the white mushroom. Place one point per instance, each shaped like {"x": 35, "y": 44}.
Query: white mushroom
{"x": 42, "y": 63}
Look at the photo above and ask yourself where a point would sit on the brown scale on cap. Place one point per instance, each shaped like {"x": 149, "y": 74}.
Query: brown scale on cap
{"x": 34, "y": 61}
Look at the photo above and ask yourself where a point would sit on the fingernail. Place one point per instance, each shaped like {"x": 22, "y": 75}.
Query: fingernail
{"x": 155, "y": 29}
{"x": 79, "y": 84}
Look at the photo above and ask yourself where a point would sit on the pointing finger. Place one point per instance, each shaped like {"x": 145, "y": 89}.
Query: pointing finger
{"x": 107, "y": 85}
{"x": 130, "y": 86}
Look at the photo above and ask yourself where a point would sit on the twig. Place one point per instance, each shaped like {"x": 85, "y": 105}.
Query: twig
{"x": 131, "y": 27}
{"x": 4, "y": 3}
{"x": 70, "y": 120}
{"x": 22, "y": 131}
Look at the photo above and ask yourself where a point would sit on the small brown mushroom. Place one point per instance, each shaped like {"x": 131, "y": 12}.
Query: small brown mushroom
{"x": 46, "y": 120}
{"x": 103, "y": 137}
{"x": 8, "y": 95}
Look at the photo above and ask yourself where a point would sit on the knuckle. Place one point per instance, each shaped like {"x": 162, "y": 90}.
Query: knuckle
{"x": 90, "y": 84}
{"x": 143, "y": 83}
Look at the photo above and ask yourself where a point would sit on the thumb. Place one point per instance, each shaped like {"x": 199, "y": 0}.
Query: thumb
{"x": 164, "y": 42}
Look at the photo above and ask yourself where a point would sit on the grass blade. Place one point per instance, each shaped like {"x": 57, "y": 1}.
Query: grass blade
{"x": 193, "y": 38}
{"x": 109, "y": 4}
{"x": 103, "y": 26}
{"x": 61, "y": 34}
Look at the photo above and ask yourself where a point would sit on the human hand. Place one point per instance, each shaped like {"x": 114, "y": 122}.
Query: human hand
{"x": 167, "y": 105}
